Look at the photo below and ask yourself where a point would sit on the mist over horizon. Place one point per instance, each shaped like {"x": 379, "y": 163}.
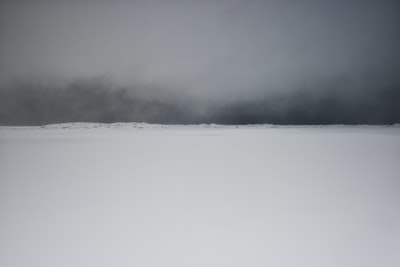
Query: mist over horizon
{"x": 98, "y": 100}
{"x": 228, "y": 62}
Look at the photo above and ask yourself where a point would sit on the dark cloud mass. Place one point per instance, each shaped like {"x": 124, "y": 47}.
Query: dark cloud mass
{"x": 93, "y": 101}
{"x": 236, "y": 62}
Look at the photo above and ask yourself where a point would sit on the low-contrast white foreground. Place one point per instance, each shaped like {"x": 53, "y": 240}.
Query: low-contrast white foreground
{"x": 149, "y": 196}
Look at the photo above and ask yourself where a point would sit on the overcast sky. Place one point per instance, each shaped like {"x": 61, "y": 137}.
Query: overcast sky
{"x": 214, "y": 52}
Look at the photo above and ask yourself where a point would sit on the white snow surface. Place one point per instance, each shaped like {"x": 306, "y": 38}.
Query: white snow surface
{"x": 142, "y": 195}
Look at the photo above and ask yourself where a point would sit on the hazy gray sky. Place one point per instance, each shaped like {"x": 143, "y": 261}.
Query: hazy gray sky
{"x": 216, "y": 50}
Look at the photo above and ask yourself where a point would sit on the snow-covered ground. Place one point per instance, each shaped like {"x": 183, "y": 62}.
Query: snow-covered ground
{"x": 152, "y": 195}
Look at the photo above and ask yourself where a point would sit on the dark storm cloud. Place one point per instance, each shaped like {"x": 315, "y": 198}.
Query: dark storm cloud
{"x": 306, "y": 62}
{"x": 95, "y": 101}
